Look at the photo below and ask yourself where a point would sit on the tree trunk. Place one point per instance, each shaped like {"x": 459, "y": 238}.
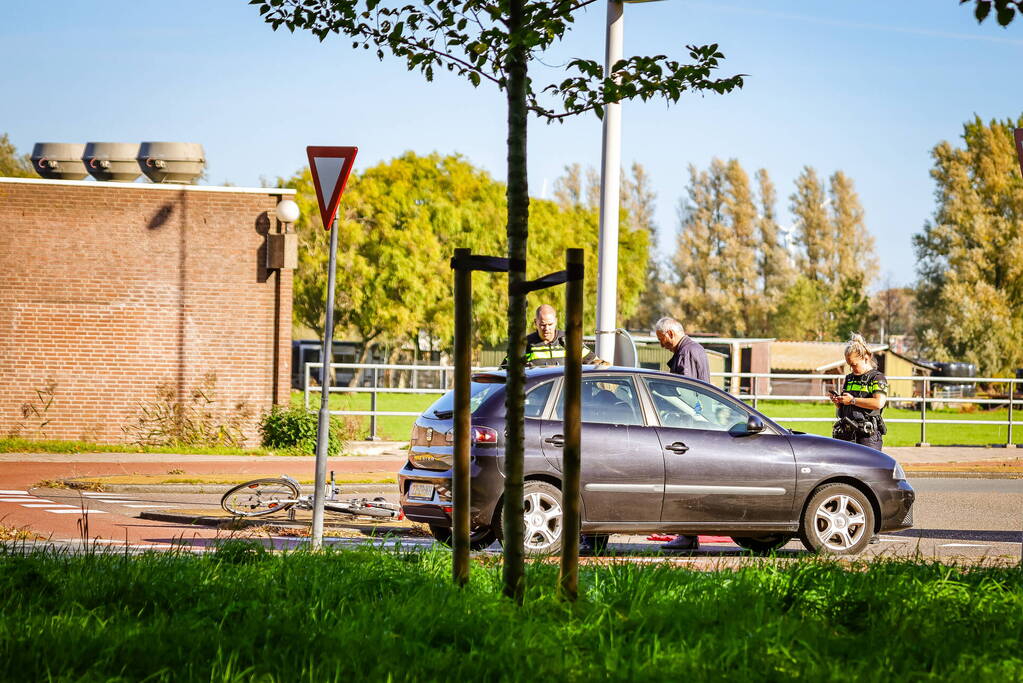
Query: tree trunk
{"x": 367, "y": 347}
{"x": 518, "y": 231}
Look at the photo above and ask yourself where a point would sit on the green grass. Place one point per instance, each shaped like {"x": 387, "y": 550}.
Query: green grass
{"x": 244, "y": 614}
{"x": 17, "y": 445}
{"x": 907, "y": 434}
{"x": 398, "y": 428}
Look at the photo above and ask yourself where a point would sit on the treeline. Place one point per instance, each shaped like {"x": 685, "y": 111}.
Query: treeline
{"x": 403, "y": 218}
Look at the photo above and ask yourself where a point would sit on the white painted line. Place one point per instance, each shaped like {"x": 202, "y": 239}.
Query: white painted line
{"x": 119, "y": 501}
{"x": 68, "y": 512}
{"x": 45, "y": 504}
{"x": 22, "y": 499}
{"x": 151, "y": 506}
{"x": 11, "y": 492}
{"x": 102, "y": 494}
{"x": 965, "y": 545}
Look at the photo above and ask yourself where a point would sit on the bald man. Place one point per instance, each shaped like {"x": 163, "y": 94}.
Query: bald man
{"x": 546, "y": 346}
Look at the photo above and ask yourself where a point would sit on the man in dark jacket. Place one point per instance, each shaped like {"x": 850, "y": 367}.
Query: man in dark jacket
{"x": 689, "y": 360}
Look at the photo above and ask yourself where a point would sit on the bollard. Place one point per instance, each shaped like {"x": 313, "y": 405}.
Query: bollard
{"x": 923, "y": 413}
{"x": 1008, "y": 440}
{"x": 373, "y": 408}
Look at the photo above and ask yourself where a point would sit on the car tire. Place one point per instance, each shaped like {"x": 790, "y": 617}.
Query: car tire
{"x": 762, "y": 545}
{"x": 480, "y": 537}
{"x": 838, "y": 520}
{"x": 543, "y": 516}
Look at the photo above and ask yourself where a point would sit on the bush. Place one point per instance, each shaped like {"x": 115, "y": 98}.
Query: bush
{"x": 294, "y": 429}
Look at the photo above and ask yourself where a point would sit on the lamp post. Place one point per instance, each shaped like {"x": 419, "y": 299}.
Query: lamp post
{"x": 610, "y": 182}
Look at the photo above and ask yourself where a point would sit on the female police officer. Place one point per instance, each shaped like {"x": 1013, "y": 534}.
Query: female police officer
{"x": 863, "y": 396}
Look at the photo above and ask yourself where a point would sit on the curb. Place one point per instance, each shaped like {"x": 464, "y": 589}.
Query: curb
{"x": 937, "y": 474}
{"x": 234, "y": 523}
{"x": 221, "y": 488}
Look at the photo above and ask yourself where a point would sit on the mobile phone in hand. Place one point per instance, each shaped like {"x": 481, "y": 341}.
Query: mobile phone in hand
{"x": 832, "y": 392}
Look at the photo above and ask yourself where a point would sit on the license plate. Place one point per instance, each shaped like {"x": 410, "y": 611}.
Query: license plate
{"x": 424, "y": 491}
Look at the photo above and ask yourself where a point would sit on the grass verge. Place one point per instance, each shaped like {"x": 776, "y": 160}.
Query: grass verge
{"x": 245, "y": 614}
{"x": 17, "y": 445}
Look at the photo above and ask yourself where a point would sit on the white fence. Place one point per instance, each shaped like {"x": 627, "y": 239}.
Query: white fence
{"x": 440, "y": 377}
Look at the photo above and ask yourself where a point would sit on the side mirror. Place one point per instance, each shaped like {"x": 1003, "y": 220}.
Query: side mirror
{"x": 754, "y": 425}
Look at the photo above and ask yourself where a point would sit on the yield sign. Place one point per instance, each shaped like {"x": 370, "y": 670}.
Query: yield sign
{"x": 330, "y": 167}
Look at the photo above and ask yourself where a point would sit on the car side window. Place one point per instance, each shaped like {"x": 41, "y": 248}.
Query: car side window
{"x": 686, "y": 405}
{"x": 536, "y": 399}
{"x": 607, "y": 400}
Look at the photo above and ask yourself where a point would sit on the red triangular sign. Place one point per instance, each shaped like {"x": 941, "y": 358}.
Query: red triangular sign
{"x": 330, "y": 167}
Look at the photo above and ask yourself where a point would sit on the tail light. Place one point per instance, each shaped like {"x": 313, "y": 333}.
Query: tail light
{"x": 483, "y": 435}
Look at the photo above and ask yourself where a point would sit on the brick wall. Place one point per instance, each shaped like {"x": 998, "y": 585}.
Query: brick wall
{"x": 111, "y": 291}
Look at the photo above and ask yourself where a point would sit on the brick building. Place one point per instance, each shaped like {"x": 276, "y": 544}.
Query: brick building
{"x": 110, "y": 291}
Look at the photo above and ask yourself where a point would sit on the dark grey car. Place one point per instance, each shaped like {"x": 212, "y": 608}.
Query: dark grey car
{"x": 660, "y": 453}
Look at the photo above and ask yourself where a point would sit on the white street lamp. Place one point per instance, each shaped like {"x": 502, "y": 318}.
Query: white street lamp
{"x": 610, "y": 188}
{"x": 287, "y": 211}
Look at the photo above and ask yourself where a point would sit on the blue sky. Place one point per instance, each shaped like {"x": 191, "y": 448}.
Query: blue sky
{"x": 866, "y": 86}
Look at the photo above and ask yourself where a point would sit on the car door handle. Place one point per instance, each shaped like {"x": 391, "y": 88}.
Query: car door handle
{"x": 556, "y": 440}
{"x": 677, "y": 447}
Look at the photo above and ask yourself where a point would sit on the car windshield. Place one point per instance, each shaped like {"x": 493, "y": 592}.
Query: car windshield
{"x": 444, "y": 407}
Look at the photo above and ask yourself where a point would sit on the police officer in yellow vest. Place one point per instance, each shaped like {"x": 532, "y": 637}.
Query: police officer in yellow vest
{"x": 546, "y": 346}
{"x": 864, "y": 394}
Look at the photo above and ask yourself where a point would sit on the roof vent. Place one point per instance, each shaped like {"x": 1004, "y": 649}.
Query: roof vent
{"x": 59, "y": 160}
{"x": 172, "y": 162}
{"x": 112, "y": 160}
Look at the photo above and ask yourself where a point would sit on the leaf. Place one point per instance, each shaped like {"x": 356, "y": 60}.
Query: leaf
{"x": 982, "y": 10}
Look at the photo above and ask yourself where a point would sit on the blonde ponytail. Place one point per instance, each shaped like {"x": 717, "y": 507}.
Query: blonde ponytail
{"x": 857, "y": 347}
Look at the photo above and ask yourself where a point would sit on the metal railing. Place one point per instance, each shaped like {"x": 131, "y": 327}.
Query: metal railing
{"x": 444, "y": 376}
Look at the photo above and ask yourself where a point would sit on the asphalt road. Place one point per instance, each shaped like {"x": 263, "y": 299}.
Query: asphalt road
{"x": 956, "y": 519}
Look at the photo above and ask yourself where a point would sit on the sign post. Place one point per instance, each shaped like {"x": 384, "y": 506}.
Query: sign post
{"x": 330, "y": 167}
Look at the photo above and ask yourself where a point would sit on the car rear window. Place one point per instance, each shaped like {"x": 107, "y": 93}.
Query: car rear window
{"x": 444, "y": 407}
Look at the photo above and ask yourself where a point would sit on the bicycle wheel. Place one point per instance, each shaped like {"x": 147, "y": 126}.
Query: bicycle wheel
{"x": 260, "y": 497}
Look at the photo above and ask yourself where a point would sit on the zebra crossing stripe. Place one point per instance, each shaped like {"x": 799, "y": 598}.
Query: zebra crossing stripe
{"x": 48, "y": 505}
{"x": 10, "y": 492}
{"x": 21, "y": 499}
{"x": 75, "y": 512}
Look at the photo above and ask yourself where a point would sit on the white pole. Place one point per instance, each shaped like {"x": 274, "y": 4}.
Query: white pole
{"x": 323, "y": 425}
{"x": 610, "y": 172}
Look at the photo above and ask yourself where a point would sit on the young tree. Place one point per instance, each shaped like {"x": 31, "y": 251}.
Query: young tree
{"x": 853, "y": 254}
{"x": 495, "y": 41}
{"x": 970, "y": 288}
{"x": 1005, "y": 10}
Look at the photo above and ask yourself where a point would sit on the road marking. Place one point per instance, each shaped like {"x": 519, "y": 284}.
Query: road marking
{"x": 103, "y": 494}
{"x": 68, "y": 512}
{"x": 48, "y": 505}
{"x": 10, "y": 492}
{"x": 19, "y": 500}
{"x": 119, "y": 501}
{"x": 965, "y": 545}
{"x": 151, "y": 506}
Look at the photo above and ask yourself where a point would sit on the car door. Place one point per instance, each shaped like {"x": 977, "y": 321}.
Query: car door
{"x": 714, "y": 471}
{"x": 622, "y": 477}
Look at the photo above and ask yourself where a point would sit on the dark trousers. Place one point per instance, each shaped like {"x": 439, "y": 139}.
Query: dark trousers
{"x": 873, "y": 441}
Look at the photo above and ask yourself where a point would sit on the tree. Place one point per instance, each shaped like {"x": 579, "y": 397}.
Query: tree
{"x": 804, "y": 312}
{"x": 814, "y": 236}
{"x": 893, "y": 311}
{"x": 13, "y": 165}
{"x": 494, "y": 41}
{"x": 1005, "y": 10}
{"x": 970, "y": 287}
{"x": 639, "y": 201}
{"x": 774, "y": 261}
